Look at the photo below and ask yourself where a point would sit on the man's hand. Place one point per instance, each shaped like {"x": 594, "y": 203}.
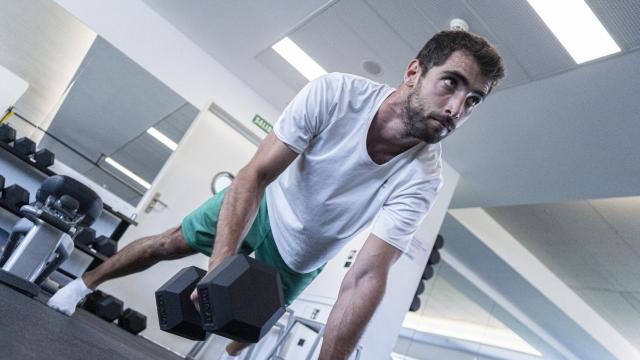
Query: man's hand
{"x": 360, "y": 293}
{"x": 194, "y": 299}
{"x": 214, "y": 261}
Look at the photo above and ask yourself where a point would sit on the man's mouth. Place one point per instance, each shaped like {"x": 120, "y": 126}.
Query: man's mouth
{"x": 444, "y": 121}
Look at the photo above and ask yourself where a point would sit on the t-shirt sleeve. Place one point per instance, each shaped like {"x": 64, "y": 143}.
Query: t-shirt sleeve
{"x": 404, "y": 210}
{"x": 308, "y": 113}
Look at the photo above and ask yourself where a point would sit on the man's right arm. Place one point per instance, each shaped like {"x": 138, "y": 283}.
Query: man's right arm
{"x": 243, "y": 198}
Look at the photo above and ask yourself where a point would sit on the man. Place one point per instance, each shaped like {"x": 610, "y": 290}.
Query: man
{"x": 345, "y": 153}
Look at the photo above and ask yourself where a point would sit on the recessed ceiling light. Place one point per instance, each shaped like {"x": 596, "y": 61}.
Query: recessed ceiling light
{"x": 162, "y": 138}
{"x": 299, "y": 59}
{"x": 577, "y": 28}
{"x": 127, "y": 172}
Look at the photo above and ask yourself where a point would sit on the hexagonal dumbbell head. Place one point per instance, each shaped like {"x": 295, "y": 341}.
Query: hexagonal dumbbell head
{"x": 176, "y": 312}
{"x": 241, "y": 299}
{"x": 132, "y": 321}
{"x": 109, "y": 308}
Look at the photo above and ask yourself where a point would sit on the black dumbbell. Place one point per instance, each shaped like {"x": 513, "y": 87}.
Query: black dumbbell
{"x": 415, "y": 304}
{"x": 86, "y": 236}
{"x": 15, "y": 195}
{"x": 44, "y": 157}
{"x": 439, "y": 243}
{"x": 105, "y": 246}
{"x": 7, "y": 134}
{"x": 25, "y": 146}
{"x": 103, "y": 305}
{"x": 228, "y": 298}
{"x": 427, "y": 273}
{"x": 132, "y": 321}
{"x": 434, "y": 258}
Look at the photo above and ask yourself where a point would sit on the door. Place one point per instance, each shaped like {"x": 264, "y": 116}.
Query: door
{"x": 209, "y": 147}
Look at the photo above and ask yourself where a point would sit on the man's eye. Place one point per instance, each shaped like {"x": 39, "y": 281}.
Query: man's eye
{"x": 450, "y": 83}
{"x": 473, "y": 101}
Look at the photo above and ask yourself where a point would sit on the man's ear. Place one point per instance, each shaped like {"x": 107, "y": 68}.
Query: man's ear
{"x": 412, "y": 74}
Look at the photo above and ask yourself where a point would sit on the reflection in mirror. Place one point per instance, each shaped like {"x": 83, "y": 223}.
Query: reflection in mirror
{"x": 102, "y": 115}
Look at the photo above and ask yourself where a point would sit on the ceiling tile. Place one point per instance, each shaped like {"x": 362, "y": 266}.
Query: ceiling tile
{"x": 621, "y": 18}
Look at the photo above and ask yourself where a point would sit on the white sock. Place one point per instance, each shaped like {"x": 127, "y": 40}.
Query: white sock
{"x": 66, "y": 299}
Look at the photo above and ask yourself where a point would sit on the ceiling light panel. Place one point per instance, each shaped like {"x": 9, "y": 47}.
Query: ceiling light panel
{"x": 577, "y": 28}
{"x": 299, "y": 59}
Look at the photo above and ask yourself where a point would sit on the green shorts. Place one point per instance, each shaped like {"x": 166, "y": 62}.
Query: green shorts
{"x": 199, "y": 231}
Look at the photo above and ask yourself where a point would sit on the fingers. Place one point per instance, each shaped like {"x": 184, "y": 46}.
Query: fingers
{"x": 194, "y": 299}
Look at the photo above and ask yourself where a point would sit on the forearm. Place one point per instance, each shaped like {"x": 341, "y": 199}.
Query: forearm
{"x": 238, "y": 212}
{"x": 352, "y": 311}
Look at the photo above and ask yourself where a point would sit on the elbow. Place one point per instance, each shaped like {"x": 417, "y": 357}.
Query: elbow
{"x": 370, "y": 280}
{"x": 257, "y": 177}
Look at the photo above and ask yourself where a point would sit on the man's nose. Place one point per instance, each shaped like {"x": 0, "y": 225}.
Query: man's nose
{"x": 455, "y": 106}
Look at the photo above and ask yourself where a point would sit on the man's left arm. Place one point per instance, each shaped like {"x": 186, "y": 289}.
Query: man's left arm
{"x": 360, "y": 293}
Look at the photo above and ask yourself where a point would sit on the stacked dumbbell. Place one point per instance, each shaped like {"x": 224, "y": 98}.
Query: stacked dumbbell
{"x": 102, "y": 244}
{"x": 14, "y": 196}
{"x": 240, "y": 299}
{"x": 110, "y": 308}
{"x": 434, "y": 258}
{"x": 26, "y": 147}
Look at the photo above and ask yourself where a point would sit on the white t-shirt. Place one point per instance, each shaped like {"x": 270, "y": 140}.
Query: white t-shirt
{"x": 333, "y": 190}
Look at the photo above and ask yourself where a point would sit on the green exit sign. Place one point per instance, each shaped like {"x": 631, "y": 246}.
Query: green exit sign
{"x": 262, "y": 123}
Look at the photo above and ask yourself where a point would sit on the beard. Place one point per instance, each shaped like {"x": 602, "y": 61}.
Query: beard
{"x": 419, "y": 124}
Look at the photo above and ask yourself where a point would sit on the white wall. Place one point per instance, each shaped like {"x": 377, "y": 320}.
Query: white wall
{"x": 12, "y": 88}
{"x": 152, "y": 42}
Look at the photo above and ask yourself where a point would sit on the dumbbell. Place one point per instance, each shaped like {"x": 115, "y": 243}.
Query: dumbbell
{"x": 86, "y": 236}
{"x": 132, "y": 321}
{"x": 7, "y": 134}
{"x": 241, "y": 299}
{"x": 103, "y": 305}
{"x": 44, "y": 157}
{"x": 25, "y": 146}
{"x": 434, "y": 257}
{"x": 15, "y": 195}
{"x": 439, "y": 243}
{"x": 105, "y": 246}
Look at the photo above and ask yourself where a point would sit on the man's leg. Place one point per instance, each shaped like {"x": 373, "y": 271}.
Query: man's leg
{"x": 135, "y": 257}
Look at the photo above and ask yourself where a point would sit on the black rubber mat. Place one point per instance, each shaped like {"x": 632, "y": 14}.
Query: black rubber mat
{"x": 29, "y": 329}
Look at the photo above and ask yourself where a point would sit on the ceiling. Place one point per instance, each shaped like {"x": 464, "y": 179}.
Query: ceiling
{"x": 593, "y": 246}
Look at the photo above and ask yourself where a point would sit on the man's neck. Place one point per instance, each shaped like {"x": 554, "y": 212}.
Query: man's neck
{"x": 387, "y": 135}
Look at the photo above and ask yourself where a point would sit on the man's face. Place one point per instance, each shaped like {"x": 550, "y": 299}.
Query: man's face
{"x": 444, "y": 98}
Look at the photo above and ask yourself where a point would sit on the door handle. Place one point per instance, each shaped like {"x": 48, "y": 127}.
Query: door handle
{"x": 155, "y": 200}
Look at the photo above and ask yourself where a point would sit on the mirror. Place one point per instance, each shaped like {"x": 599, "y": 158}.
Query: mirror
{"x": 103, "y": 115}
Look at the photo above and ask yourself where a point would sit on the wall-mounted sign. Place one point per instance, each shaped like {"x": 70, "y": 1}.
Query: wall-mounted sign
{"x": 262, "y": 123}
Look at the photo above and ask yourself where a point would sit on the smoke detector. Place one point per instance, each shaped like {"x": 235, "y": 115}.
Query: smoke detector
{"x": 458, "y": 24}
{"x": 372, "y": 67}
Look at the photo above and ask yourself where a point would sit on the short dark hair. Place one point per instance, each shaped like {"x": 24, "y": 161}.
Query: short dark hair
{"x": 438, "y": 49}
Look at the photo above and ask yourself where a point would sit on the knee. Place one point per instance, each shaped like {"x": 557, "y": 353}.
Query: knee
{"x": 170, "y": 244}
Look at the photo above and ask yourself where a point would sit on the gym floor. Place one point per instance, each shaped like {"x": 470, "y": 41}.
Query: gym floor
{"x": 32, "y": 330}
